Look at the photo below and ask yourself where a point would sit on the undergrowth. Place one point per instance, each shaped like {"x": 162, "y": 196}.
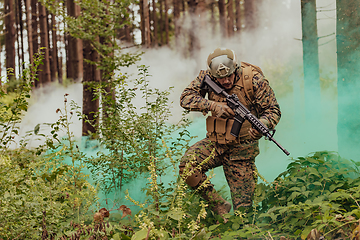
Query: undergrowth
{"x": 45, "y": 193}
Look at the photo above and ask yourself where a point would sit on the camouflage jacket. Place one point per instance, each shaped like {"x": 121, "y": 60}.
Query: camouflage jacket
{"x": 193, "y": 98}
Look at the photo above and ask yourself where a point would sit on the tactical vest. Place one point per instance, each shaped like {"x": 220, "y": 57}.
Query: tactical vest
{"x": 218, "y": 129}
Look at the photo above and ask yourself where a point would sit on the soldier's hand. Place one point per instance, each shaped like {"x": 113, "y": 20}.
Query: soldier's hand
{"x": 221, "y": 109}
{"x": 254, "y": 134}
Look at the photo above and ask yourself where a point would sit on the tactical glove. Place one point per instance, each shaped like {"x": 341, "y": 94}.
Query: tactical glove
{"x": 254, "y": 134}
{"x": 221, "y": 109}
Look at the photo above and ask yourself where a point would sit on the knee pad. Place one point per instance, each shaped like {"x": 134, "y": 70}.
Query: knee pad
{"x": 194, "y": 178}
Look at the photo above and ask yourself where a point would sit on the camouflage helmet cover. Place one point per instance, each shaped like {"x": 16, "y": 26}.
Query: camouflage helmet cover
{"x": 222, "y": 62}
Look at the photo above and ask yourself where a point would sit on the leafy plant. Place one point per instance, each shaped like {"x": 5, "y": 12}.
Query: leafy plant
{"x": 39, "y": 193}
{"x": 316, "y": 196}
{"x": 133, "y": 132}
{"x": 99, "y": 24}
{"x": 304, "y": 194}
{"x": 11, "y": 111}
{"x": 172, "y": 211}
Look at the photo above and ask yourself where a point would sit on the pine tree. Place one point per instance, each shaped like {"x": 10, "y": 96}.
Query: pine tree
{"x": 9, "y": 36}
{"x": 45, "y": 76}
{"x": 348, "y": 65}
{"x": 310, "y": 59}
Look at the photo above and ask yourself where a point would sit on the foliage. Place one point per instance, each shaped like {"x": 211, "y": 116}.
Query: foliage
{"x": 39, "y": 193}
{"x": 316, "y": 195}
{"x": 44, "y": 191}
{"x": 308, "y": 178}
{"x": 98, "y": 24}
{"x": 307, "y": 194}
{"x": 12, "y": 111}
{"x": 132, "y": 131}
{"x": 172, "y": 211}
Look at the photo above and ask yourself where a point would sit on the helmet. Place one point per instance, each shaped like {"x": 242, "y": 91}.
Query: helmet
{"x": 222, "y": 62}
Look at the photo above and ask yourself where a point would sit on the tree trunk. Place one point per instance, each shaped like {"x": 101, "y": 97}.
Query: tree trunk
{"x": 348, "y": 83}
{"x": 17, "y": 35}
{"x": 106, "y": 77}
{"x": 62, "y": 39}
{"x": 238, "y": 16}
{"x": 193, "y": 43}
{"x": 48, "y": 25}
{"x": 127, "y": 33}
{"x": 34, "y": 27}
{"x": 222, "y": 18}
{"x": 176, "y": 4}
{"x": 9, "y": 36}
{"x": 90, "y": 81}
{"x": 0, "y": 66}
{"x": 212, "y": 18}
{"x": 108, "y": 95}
{"x": 161, "y": 23}
{"x": 68, "y": 57}
{"x": 54, "y": 51}
{"x": 183, "y": 8}
{"x": 142, "y": 22}
{"x": 21, "y": 36}
{"x": 166, "y": 21}
{"x": 201, "y": 14}
{"x": 197, "y": 10}
{"x": 230, "y": 19}
{"x": 60, "y": 69}
{"x": 146, "y": 23}
{"x": 45, "y": 76}
{"x": 155, "y": 25}
{"x": 29, "y": 31}
{"x": 127, "y": 29}
{"x": 250, "y": 14}
{"x": 310, "y": 59}
{"x": 75, "y": 48}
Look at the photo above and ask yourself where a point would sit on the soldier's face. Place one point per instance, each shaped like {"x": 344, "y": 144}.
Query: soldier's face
{"x": 227, "y": 82}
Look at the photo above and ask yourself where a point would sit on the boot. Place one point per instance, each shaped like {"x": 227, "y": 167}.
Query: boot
{"x": 216, "y": 202}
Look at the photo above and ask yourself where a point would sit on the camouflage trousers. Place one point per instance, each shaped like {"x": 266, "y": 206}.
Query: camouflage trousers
{"x": 238, "y": 163}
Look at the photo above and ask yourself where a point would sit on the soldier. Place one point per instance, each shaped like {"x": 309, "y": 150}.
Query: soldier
{"x": 220, "y": 148}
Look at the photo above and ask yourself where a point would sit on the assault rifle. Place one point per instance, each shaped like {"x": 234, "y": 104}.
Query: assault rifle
{"x": 242, "y": 114}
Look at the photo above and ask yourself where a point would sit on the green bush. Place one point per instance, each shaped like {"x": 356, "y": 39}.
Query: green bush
{"x": 135, "y": 128}
{"x": 316, "y": 196}
{"x": 39, "y": 193}
{"x": 306, "y": 196}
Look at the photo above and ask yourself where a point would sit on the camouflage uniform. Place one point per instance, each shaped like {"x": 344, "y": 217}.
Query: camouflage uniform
{"x": 238, "y": 160}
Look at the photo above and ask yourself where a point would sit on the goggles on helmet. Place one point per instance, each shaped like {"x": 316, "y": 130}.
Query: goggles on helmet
{"x": 222, "y": 62}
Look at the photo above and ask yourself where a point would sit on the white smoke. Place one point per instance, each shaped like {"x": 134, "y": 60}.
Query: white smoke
{"x": 277, "y": 40}
{"x": 43, "y": 107}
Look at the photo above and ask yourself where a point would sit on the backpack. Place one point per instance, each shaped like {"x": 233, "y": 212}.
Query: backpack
{"x": 248, "y": 72}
